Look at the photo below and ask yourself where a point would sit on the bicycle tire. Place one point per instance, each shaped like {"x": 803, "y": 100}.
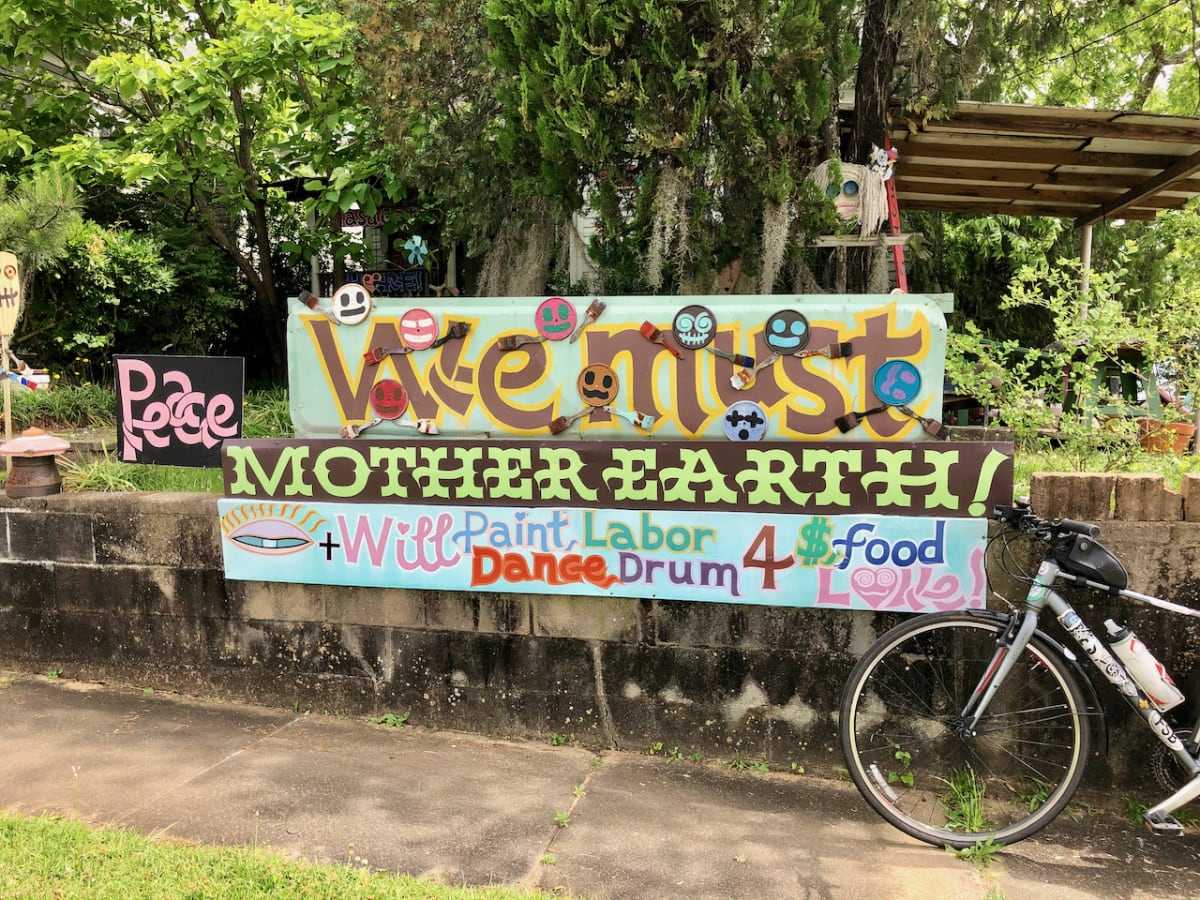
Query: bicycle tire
{"x": 897, "y": 733}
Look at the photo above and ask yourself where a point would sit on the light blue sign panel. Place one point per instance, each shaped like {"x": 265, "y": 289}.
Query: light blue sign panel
{"x": 512, "y": 366}
{"x": 907, "y": 564}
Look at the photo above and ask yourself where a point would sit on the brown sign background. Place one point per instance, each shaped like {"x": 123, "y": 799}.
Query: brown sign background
{"x": 954, "y": 479}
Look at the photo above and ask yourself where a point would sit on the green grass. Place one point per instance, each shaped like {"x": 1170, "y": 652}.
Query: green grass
{"x": 90, "y": 409}
{"x": 1028, "y": 460}
{"x": 54, "y": 857}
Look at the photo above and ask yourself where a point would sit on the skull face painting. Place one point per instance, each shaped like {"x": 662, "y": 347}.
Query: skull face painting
{"x": 694, "y": 327}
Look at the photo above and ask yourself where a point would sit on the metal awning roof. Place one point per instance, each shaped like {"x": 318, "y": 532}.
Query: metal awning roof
{"x": 1083, "y": 164}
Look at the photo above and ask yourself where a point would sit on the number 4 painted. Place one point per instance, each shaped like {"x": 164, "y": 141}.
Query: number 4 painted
{"x": 764, "y": 542}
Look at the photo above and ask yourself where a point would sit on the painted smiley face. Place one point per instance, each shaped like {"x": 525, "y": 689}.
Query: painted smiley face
{"x": 598, "y": 385}
{"x": 351, "y": 304}
{"x": 388, "y": 398}
{"x": 897, "y": 382}
{"x": 695, "y": 326}
{"x": 744, "y": 421}
{"x": 786, "y": 331}
{"x": 555, "y": 318}
{"x": 418, "y": 328}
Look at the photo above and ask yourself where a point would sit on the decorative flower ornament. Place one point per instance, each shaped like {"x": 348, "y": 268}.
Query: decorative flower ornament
{"x": 417, "y": 250}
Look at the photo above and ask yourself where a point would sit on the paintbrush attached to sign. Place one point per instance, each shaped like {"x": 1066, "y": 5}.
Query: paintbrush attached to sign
{"x": 350, "y": 432}
{"x": 455, "y": 331}
{"x": 590, "y": 315}
{"x": 932, "y": 427}
{"x": 562, "y": 423}
{"x": 738, "y": 359}
{"x": 851, "y": 420}
{"x": 424, "y": 426}
{"x": 310, "y": 300}
{"x": 640, "y": 420}
{"x": 376, "y": 355}
{"x": 743, "y": 378}
{"x": 832, "y": 351}
{"x": 651, "y": 333}
{"x": 513, "y": 341}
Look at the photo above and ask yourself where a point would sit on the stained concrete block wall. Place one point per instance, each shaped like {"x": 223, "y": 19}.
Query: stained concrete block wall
{"x": 130, "y": 588}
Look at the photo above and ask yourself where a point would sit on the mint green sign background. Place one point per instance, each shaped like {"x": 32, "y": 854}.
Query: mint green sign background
{"x": 505, "y": 378}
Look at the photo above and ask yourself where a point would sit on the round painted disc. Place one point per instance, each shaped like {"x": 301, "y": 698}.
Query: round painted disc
{"x": 897, "y": 382}
{"x": 388, "y": 398}
{"x": 694, "y": 327}
{"x": 786, "y": 331}
{"x": 744, "y": 421}
{"x": 555, "y": 318}
{"x": 598, "y": 385}
{"x": 351, "y": 303}
{"x": 418, "y": 328}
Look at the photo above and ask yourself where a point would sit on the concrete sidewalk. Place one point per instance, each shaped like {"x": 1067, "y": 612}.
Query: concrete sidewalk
{"x": 469, "y": 809}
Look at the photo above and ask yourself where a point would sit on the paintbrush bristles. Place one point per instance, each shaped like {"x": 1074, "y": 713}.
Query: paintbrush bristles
{"x": 837, "y": 351}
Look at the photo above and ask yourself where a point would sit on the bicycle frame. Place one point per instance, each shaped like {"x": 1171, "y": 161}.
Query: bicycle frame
{"x": 1042, "y": 595}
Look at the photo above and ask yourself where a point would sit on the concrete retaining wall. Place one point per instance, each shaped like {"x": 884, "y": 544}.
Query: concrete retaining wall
{"x": 129, "y": 588}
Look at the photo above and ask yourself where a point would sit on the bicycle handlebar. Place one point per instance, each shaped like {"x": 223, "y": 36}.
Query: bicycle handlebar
{"x": 1025, "y": 520}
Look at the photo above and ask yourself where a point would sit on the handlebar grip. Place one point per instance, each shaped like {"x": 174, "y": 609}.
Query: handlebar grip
{"x": 1085, "y": 528}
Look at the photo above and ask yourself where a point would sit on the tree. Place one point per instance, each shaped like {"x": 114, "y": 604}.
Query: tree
{"x": 37, "y": 217}
{"x": 208, "y": 104}
{"x": 687, "y": 129}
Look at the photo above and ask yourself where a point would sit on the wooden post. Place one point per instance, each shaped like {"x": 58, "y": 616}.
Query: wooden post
{"x": 10, "y": 311}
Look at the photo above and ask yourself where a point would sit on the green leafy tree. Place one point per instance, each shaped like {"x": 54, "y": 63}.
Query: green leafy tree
{"x": 37, "y": 214}
{"x": 211, "y": 105}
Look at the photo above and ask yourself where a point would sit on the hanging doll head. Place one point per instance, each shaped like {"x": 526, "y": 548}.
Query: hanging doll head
{"x": 859, "y": 195}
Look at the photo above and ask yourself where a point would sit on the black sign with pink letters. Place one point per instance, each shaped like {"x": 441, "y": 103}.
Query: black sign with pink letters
{"x": 177, "y": 410}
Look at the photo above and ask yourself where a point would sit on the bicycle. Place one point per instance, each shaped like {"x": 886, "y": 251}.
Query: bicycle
{"x": 973, "y": 727}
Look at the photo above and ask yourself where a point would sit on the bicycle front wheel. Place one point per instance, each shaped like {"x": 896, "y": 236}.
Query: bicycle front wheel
{"x": 902, "y": 736}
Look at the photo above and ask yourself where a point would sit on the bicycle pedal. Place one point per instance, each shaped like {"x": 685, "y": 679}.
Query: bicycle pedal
{"x": 1164, "y": 823}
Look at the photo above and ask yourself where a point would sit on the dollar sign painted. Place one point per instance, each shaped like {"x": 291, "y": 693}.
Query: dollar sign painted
{"x": 813, "y": 549}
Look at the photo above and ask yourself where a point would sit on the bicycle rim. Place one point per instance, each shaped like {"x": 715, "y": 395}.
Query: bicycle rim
{"x": 911, "y": 761}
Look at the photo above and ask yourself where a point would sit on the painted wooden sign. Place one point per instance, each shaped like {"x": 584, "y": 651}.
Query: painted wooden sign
{"x": 720, "y": 368}
{"x": 10, "y": 296}
{"x": 907, "y": 564}
{"x": 772, "y": 450}
{"x": 954, "y": 479}
{"x": 177, "y": 410}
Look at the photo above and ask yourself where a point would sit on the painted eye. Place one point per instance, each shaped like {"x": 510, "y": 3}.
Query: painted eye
{"x": 271, "y": 529}
{"x": 608, "y": 382}
{"x": 798, "y": 328}
{"x": 703, "y": 322}
{"x": 850, "y": 188}
{"x": 270, "y": 537}
{"x": 589, "y": 377}
{"x": 778, "y": 326}
{"x": 547, "y": 315}
{"x": 832, "y": 191}
{"x": 10, "y": 271}
{"x": 685, "y": 322}
{"x": 564, "y": 312}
